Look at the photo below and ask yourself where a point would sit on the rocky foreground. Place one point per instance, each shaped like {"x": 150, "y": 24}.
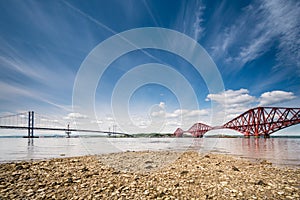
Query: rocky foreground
{"x": 148, "y": 175}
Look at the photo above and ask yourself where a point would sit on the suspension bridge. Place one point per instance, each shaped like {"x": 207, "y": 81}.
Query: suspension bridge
{"x": 31, "y": 121}
{"x": 260, "y": 121}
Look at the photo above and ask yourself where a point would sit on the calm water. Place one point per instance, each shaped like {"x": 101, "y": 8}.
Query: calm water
{"x": 281, "y": 151}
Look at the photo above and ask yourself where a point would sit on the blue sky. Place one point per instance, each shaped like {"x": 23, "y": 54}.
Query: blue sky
{"x": 254, "y": 44}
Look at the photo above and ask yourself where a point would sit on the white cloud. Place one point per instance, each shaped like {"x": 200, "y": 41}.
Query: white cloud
{"x": 110, "y": 119}
{"x": 76, "y": 116}
{"x": 274, "y": 97}
{"x": 195, "y": 113}
{"x": 180, "y": 113}
{"x": 232, "y": 103}
{"x": 235, "y": 102}
{"x": 97, "y": 122}
{"x": 162, "y": 105}
{"x": 181, "y": 118}
{"x": 143, "y": 123}
{"x": 160, "y": 113}
{"x": 173, "y": 124}
{"x": 232, "y": 98}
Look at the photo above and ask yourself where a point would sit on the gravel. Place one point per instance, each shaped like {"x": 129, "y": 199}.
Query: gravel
{"x": 148, "y": 175}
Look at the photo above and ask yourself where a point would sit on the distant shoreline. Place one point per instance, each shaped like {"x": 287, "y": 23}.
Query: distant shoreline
{"x": 143, "y": 136}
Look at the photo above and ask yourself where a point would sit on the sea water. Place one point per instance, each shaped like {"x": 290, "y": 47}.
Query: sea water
{"x": 280, "y": 151}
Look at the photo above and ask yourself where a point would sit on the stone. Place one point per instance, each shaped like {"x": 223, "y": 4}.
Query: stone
{"x": 280, "y": 192}
{"x": 184, "y": 172}
{"x": 235, "y": 169}
{"x": 70, "y": 180}
{"x": 191, "y": 176}
{"x": 260, "y": 182}
{"x": 223, "y": 183}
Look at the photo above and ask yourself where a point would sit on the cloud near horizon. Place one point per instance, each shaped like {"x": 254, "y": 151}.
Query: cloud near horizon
{"x": 76, "y": 116}
{"x": 234, "y": 102}
{"x": 274, "y": 97}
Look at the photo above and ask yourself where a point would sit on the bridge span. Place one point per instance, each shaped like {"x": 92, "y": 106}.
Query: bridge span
{"x": 27, "y": 121}
{"x": 259, "y": 121}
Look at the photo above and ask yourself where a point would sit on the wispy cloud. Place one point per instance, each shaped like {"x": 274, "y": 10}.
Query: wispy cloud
{"x": 283, "y": 19}
{"x": 156, "y": 22}
{"x": 21, "y": 94}
{"x": 13, "y": 62}
{"x": 34, "y": 79}
{"x": 190, "y": 19}
{"x": 261, "y": 25}
{"x": 275, "y": 20}
{"x": 198, "y": 28}
{"x": 89, "y": 17}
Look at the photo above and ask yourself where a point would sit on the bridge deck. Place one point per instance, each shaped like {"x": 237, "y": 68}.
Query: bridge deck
{"x": 63, "y": 129}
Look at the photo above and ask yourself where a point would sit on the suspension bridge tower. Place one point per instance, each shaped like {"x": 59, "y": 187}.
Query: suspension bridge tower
{"x": 30, "y": 124}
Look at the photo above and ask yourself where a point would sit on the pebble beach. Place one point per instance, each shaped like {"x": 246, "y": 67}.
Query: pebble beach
{"x": 149, "y": 175}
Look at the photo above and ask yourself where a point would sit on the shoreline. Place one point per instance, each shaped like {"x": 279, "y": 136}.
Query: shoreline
{"x": 236, "y": 156}
{"x": 148, "y": 175}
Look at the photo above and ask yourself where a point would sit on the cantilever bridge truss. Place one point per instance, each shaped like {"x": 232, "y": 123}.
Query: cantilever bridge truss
{"x": 254, "y": 122}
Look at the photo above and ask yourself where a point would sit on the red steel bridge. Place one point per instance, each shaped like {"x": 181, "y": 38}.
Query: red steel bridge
{"x": 260, "y": 121}
{"x": 31, "y": 121}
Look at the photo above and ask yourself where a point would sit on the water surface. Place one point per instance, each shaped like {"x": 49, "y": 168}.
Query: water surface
{"x": 280, "y": 151}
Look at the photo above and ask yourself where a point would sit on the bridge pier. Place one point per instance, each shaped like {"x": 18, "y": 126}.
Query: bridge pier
{"x": 68, "y": 132}
{"x": 247, "y": 135}
{"x": 30, "y": 124}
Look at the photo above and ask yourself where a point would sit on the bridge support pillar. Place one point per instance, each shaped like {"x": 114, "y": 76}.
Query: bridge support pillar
{"x": 267, "y": 135}
{"x": 68, "y": 132}
{"x": 247, "y": 135}
{"x": 30, "y": 124}
{"x": 256, "y": 135}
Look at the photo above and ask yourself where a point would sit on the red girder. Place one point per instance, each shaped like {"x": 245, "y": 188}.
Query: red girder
{"x": 264, "y": 120}
{"x": 179, "y": 132}
{"x": 199, "y": 129}
{"x": 256, "y": 121}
